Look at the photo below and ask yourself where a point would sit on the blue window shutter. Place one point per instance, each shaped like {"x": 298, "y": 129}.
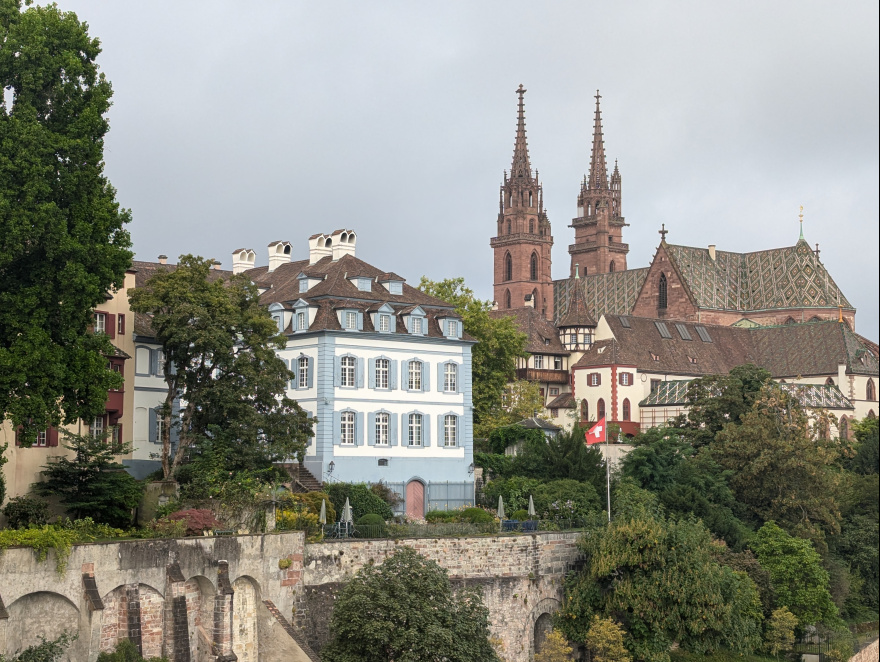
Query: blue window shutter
{"x": 359, "y": 429}
{"x": 440, "y": 438}
{"x": 360, "y": 373}
{"x": 393, "y": 325}
{"x": 441, "y": 375}
{"x": 337, "y": 427}
{"x": 154, "y": 417}
{"x": 337, "y": 371}
{"x": 392, "y": 375}
{"x": 371, "y": 373}
{"x": 426, "y": 430}
{"x": 458, "y": 376}
{"x": 458, "y": 430}
{"x": 392, "y": 429}
{"x": 404, "y": 375}
{"x": 445, "y": 328}
{"x": 311, "y": 372}
{"x": 371, "y": 429}
{"x": 154, "y": 362}
{"x": 360, "y": 321}
{"x": 426, "y": 376}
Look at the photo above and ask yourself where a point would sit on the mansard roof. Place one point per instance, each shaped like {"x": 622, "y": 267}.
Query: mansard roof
{"x": 790, "y": 277}
{"x": 812, "y": 348}
{"x": 543, "y": 337}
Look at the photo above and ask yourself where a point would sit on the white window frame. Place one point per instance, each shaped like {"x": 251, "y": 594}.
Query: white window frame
{"x": 594, "y": 379}
{"x": 384, "y": 323}
{"x": 415, "y": 436}
{"x": 452, "y": 328}
{"x": 348, "y": 371}
{"x": 382, "y": 424}
{"x": 624, "y": 379}
{"x": 351, "y": 320}
{"x": 450, "y": 431}
{"x": 415, "y": 324}
{"x": 554, "y": 390}
{"x": 383, "y": 373}
{"x": 100, "y": 322}
{"x": 557, "y": 363}
{"x": 302, "y": 322}
{"x": 303, "y": 371}
{"x": 414, "y": 376}
{"x": 42, "y": 439}
{"x": 346, "y": 428}
{"x": 96, "y": 427}
{"x": 160, "y": 427}
{"x": 539, "y": 361}
{"x": 450, "y": 378}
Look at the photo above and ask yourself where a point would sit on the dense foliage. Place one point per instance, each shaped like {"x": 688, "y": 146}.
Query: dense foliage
{"x": 24, "y": 511}
{"x": 45, "y": 651}
{"x": 90, "y": 482}
{"x": 126, "y": 651}
{"x": 63, "y": 245}
{"x": 361, "y": 498}
{"x": 554, "y": 500}
{"x": 404, "y": 609}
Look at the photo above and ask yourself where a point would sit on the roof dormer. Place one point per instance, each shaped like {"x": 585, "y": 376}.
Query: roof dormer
{"x": 416, "y": 321}
{"x": 308, "y": 281}
{"x": 391, "y": 282}
{"x": 384, "y": 319}
{"x": 282, "y": 315}
{"x": 304, "y": 314}
{"x": 450, "y": 324}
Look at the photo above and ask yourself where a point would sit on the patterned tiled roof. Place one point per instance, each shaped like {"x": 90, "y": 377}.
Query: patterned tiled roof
{"x": 614, "y": 293}
{"x": 817, "y": 396}
{"x": 789, "y": 277}
{"x": 578, "y": 313}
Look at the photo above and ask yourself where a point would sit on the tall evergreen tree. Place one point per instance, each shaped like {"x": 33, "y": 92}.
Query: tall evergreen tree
{"x": 63, "y": 245}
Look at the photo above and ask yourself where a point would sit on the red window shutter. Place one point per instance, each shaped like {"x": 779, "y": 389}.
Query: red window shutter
{"x": 598, "y": 379}
{"x": 52, "y": 437}
{"x": 111, "y": 325}
{"x": 620, "y": 379}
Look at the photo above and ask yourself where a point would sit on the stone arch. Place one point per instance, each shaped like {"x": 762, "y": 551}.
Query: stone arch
{"x": 245, "y": 602}
{"x": 540, "y": 623}
{"x": 135, "y": 612}
{"x": 533, "y": 266}
{"x": 416, "y": 494}
{"x": 200, "y": 593}
{"x": 40, "y": 614}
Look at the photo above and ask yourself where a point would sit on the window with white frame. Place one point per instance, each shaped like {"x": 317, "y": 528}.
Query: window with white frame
{"x": 381, "y": 429}
{"x": 594, "y": 379}
{"x": 114, "y": 436}
{"x": 100, "y": 323}
{"x": 160, "y": 428}
{"x": 539, "y": 361}
{"x": 557, "y": 363}
{"x": 351, "y": 320}
{"x": 415, "y": 325}
{"x": 346, "y": 432}
{"x": 301, "y": 321}
{"x": 415, "y": 429}
{"x": 277, "y": 319}
{"x": 384, "y": 323}
{"x": 414, "y": 379}
{"x": 452, "y": 328}
{"x": 383, "y": 367}
{"x": 302, "y": 368}
{"x": 348, "y": 366}
{"x": 42, "y": 439}
{"x": 450, "y": 378}
{"x": 624, "y": 379}
{"x": 450, "y": 430}
{"x": 554, "y": 390}
{"x": 96, "y": 429}
{"x": 303, "y": 285}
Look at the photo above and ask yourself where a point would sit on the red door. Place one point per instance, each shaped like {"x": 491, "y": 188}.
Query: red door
{"x": 415, "y": 499}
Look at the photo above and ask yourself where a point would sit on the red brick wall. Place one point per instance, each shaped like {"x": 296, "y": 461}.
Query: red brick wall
{"x": 678, "y": 302}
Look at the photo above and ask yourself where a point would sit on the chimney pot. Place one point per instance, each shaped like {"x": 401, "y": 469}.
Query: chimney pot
{"x": 163, "y": 259}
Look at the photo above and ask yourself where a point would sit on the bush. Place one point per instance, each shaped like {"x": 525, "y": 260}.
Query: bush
{"x": 521, "y": 515}
{"x": 441, "y": 516}
{"x": 198, "y": 520}
{"x": 297, "y": 520}
{"x": 45, "y": 651}
{"x": 361, "y": 498}
{"x": 387, "y": 495}
{"x": 374, "y": 526}
{"x": 476, "y": 516}
{"x": 164, "y": 527}
{"x": 312, "y": 502}
{"x": 24, "y": 511}
{"x": 515, "y": 491}
{"x": 127, "y": 652}
{"x": 566, "y": 499}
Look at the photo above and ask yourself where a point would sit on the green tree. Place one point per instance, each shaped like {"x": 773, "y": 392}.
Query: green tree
{"x": 564, "y": 456}
{"x": 605, "y": 641}
{"x": 555, "y": 648}
{"x": 219, "y": 345}
{"x": 867, "y": 458}
{"x": 781, "y": 469}
{"x": 404, "y": 609}
{"x": 795, "y": 567}
{"x": 92, "y": 483}
{"x": 499, "y": 344}
{"x": 63, "y": 245}
{"x": 520, "y": 400}
{"x": 779, "y": 636}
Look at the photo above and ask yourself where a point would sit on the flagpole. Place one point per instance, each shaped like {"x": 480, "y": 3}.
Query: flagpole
{"x": 608, "y": 473}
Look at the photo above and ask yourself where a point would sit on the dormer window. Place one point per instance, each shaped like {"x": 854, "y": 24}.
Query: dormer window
{"x": 350, "y": 320}
{"x": 301, "y": 321}
{"x": 363, "y": 284}
{"x": 384, "y": 323}
{"x": 415, "y": 326}
{"x": 303, "y": 285}
{"x": 452, "y": 328}
{"x": 279, "y": 322}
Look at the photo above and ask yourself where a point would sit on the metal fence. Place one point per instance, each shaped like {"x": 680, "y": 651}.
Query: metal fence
{"x": 447, "y": 529}
{"x": 447, "y": 495}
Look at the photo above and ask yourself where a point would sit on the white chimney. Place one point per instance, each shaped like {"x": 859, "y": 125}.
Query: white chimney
{"x": 320, "y": 246}
{"x": 217, "y": 264}
{"x": 279, "y": 253}
{"x": 163, "y": 259}
{"x": 243, "y": 259}
{"x": 712, "y": 251}
{"x": 343, "y": 243}
{"x": 530, "y": 301}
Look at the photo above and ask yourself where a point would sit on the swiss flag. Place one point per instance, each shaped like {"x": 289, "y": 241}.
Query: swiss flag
{"x": 596, "y": 434}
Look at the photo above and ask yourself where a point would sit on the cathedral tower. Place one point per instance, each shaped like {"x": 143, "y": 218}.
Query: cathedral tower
{"x": 598, "y": 230}
{"x": 522, "y": 247}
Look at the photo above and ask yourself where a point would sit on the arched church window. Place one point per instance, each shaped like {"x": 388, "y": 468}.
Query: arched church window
{"x": 508, "y": 227}
{"x": 530, "y": 199}
{"x": 612, "y": 267}
{"x": 600, "y": 409}
{"x": 585, "y": 411}
{"x": 870, "y": 391}
{"x": 661, "y": 292}
{"x": 507, "y": 299}
{"x": 533, "y": 267}
{"x": 626, "y": 409}
{"x": 843, "y": 428}
{"x": 508, "y": 267}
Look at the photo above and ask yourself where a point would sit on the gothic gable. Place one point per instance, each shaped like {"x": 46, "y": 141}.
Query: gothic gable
{"x": 665, "y": 284}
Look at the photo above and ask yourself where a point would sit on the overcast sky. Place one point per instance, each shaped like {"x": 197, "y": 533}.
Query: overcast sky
{"x": 238, "y": 123}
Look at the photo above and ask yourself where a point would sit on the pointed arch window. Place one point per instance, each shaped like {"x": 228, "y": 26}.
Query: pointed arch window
{"x": 533, "y": 267}
{"x": 508, "y": 227}
{"x": 870, "y": 390}
{"x": 530, "y": 199}
{"x": 507, "y": 299}
{"x": 585, "y": 411}
{"x": 600, "y": 409}
{"x": 508, "y": 267}
{"x": 662, "y": 299}
{"x": 612, "y": 267}
{"x": 626, "y": 409}
{"x": 843, "y": 428}
{"x": 531, "y": 226}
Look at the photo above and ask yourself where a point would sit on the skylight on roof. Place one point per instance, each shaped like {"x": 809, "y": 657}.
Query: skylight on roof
{"x": 624, "y": 322}
{"x": 703, "y": 333}
{"x": 683, "y": 332}
{"x": 663, "y": 329}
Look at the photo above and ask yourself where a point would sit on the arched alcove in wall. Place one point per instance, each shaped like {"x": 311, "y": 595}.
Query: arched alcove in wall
{"x": 245, "y": 642}
{"x": 541, "y": 623}
{"x": 41, "y": 615}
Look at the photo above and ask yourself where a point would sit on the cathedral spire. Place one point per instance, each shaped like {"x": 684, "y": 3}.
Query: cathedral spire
{"x": 521, "y": 168}
{"x": 598, "y": 167}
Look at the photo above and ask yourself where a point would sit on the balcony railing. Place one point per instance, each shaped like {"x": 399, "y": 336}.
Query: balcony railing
{"x": 541, "y": 375}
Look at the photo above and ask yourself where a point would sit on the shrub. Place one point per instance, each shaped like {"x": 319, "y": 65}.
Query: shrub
{"x": 312, "y": 502}
{"x": 566, "y": 499}
{"x": 476, "y": 516}
{"x": 198, "y": 520}
{"x": 126, "y": 651}
{"x": 41, "y": 541}
{"x": 374, "y": 526}
{"x": 297, "y": 520}
{"x": 361, "y": 498}
{"x": 439, "y": 516}
{"x": 164, "y": 527}
{"x": 521, "y": 515}
{"x": 24, "y": 511}
{"x": 45, "y": 651}
{"x": 387, "y": 495}
{"x": 515, "y": 491}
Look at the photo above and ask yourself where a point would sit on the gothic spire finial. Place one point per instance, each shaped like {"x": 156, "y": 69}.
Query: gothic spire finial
{"x": 521, "y": 166}
{"x": 598, "y": 166}
{"x": 801, "y": 217}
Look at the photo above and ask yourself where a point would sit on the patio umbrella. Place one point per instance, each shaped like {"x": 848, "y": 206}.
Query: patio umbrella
{"x": 346, "y": 513}
{"x": 323, "y": 516}
{"x": 500, "y": 507}
{"x": 531, "y": 507}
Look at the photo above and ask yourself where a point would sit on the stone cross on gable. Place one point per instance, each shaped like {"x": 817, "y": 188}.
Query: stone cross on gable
{"x": 663, "y": 232}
